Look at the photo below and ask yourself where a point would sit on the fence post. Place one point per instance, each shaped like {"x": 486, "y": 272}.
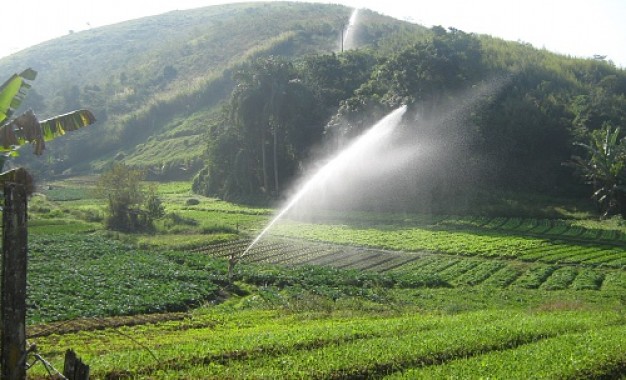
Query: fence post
{"x": 13, "y": 283}
{"x": 74, "y": 368}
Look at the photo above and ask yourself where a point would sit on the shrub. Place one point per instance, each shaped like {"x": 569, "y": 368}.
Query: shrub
{"x": 192, "y": 202}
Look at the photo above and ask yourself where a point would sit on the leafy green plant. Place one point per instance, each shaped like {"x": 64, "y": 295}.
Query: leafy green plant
{"x": 26, "y": 128}
{"x": 605, "y": 169}
{"x": 227, "y": 342}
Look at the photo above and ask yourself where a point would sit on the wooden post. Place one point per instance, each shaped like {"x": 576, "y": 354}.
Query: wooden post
{"x": 74, "y": 368}
{"x": 232, "y": 261}
{"x": 13, "y": 283}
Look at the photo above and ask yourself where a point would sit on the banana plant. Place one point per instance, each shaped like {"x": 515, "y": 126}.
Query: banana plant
{"x": 26, "y": 128}
{"x": 605, "y": 169}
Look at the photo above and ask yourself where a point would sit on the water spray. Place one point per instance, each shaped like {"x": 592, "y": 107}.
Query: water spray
{"x": 381, "y": 130}
{"x": 347, "y": 34}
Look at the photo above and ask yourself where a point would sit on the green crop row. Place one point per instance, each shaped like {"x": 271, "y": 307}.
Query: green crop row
{"x": 535, "y": 276}
{"x": 549, "y": 227}
{"x": 224, "y": 343}
{"x": 413, "y": 239}
{"x": 560, "y": 279}
{"x": 453, "y": 270}
{"x": 486, "y": 244}
{"x": 227, "y": 336}
{"x": 88, "y": 275}
{"x": 369, "y": 357}
{"x": 590, "y": 354}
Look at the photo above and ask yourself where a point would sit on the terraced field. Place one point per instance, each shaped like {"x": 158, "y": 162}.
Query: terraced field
{"x": 393, "y": 297}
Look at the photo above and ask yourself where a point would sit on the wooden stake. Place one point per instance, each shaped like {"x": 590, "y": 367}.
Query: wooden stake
{"x": 74, "y": 368}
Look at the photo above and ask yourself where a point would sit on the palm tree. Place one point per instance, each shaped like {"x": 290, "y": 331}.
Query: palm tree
{"x": 605, "y": 169}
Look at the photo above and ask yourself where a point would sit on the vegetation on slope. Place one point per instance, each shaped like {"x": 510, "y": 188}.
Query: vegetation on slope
{"x": 485, "y": 122}
{"x": 161, "y": 106}
{"x": 144, "y": 77}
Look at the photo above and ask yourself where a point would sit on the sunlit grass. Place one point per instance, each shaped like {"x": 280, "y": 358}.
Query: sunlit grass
{"x": 173, "y": 187}
{"x": 190, "y": 241}
{"x": 60, "y": 226}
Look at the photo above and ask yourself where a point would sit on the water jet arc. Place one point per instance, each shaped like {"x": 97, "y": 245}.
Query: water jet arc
{"x": 347, "y": 34}
{"x": 362, "y": 144}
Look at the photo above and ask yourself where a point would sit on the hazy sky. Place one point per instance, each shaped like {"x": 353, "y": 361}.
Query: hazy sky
{"x": 573, "y": 27}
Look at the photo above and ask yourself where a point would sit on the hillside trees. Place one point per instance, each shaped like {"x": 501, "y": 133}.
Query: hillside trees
{"x": 526, "y": 132}
{"x": 490, "y": 122}
{"x": 516, "y": 140}
{"x": 422, "y": 75}
{"x": 335, "y": 77}
{"x": 271, "y": 113}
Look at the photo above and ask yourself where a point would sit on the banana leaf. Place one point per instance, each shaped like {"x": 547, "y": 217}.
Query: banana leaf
{"x": 13, "y": 92}
{"x": 28, "y": 129}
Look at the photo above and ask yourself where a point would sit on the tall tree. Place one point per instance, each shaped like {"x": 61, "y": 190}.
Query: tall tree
{"x": 259, "y": 107}
{"x": 273, "y": 119}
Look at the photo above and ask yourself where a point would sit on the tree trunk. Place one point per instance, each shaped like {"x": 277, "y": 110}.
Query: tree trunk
{"x": 276, "y": 159}
{"x": 14, "y": 265}
{"x": 263, "y": 163}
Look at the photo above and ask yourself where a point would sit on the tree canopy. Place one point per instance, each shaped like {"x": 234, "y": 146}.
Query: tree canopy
{"x": 514, "y": 135}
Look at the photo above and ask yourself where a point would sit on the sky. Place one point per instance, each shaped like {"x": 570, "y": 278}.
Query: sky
{"x": 571, "y": 27}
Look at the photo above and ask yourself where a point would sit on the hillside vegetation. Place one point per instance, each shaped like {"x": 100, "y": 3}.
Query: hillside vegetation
{"x": 155, "y": 82}
{"x": 242, "y": 96}
{"x": 479, "y": 257}
{"x": 483, "y": 116}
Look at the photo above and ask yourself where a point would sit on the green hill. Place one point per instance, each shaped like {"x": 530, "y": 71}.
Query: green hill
{"x": 154, "y": 82}
{"x": 213, "y": 92}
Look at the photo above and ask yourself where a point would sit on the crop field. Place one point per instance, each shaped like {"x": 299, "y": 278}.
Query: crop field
{"x": 334, "y": 312}
{"x": 488, "y": 242}
{"x": 222, "y": 343}
{"x": 454, "y": 270}
{"x": 359, "y": 296}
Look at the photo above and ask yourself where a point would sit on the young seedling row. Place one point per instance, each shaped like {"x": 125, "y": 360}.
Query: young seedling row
{"x": 551, "y": 267}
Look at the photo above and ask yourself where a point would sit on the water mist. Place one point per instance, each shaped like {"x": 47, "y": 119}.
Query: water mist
{"x": 349, "y": 37}
{"x": 358, "y": 159}
{"x": 403, "y": 161}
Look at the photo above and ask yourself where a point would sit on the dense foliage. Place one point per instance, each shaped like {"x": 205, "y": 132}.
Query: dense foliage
{"x": 275, "y": 117}
{"x": 490, "y": 121}
{"x": 496, "y": 114}
{"x": 131, "y": 207}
